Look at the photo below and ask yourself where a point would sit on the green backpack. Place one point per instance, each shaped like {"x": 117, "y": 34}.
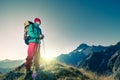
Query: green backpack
{"x": 26, "y": 36}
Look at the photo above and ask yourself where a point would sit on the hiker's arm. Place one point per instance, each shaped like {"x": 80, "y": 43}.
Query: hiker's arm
{"x": 41, "y": 35}
{"x": 31, "y": 33}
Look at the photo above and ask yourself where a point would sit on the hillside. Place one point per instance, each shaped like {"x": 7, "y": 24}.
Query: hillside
{"x": 53, "y": 70}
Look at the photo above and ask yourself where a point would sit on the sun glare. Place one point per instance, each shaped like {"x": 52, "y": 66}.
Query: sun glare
{"x": 48, "y": 57}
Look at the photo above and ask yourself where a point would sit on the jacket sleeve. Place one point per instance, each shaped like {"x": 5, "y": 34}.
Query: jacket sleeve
{"x": 31, "y": 33}
{"x": 40, "y": 31}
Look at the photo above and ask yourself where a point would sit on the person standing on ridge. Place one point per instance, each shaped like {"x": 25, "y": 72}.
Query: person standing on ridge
{"x": 35, "y": 34}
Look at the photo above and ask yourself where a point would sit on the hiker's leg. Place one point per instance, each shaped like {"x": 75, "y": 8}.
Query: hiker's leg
{"x": 31, "y": 51}
{"x": 37, "y": 57}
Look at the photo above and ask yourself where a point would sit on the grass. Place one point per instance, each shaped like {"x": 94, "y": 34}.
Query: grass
{"x": 94, "y": 76}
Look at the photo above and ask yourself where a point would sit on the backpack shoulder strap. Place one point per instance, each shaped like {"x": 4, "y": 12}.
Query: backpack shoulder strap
{"x": 32, "y": 25}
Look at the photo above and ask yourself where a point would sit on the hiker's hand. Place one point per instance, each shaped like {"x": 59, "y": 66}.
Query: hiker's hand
{"x": 41, "y": 36}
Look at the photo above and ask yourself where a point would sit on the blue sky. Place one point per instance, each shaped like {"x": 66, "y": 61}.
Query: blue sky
{"x": 65, "y": 24}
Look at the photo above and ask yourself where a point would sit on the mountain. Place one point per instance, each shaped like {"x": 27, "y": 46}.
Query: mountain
{"x": 78, "y": 54}
{"x": 103, "y": 60}
{"x": 7, "y": 65}
{"x": 114, "y": 64}
{"x": 52, "y": 71}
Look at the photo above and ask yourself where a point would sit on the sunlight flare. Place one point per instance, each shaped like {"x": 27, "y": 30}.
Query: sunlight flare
{"x": 48, "y": 57}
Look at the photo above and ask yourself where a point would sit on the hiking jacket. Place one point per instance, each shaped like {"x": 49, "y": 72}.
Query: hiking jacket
{"x": 34, "y": 35}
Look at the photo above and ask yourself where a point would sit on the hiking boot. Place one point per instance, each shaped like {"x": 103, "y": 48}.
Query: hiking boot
{"x": 28, "y": 75}
{"x": 28, "y": 71}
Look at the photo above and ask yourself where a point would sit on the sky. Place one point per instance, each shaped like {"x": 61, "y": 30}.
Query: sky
{"x": 65, "y": 23}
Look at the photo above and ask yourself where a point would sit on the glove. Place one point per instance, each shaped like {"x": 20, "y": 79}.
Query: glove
{"x": 41, "y": 36}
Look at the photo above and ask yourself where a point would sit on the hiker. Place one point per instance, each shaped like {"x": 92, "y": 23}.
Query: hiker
{"x": 34, "y": 41}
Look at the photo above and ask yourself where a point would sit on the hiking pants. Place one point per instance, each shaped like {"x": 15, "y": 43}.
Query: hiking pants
{"x": 33, "y": 51}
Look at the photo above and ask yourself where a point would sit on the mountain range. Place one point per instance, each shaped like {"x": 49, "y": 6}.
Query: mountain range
{"x": 78, "y": 54}
{"x": 99, "y": 59}
{"x": 7, "y": 65}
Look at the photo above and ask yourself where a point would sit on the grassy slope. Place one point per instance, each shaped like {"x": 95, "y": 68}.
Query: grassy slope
{"x": 53, "y": 70}
{"x": 93, "y": 76}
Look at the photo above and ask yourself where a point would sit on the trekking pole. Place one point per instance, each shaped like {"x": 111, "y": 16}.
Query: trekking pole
{"x": 44, "y": 51}
{"x": 44, "y": 46}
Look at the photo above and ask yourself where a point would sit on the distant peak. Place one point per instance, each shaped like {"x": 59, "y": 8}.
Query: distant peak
{"x": 6, "y": 60}
{"x": 97, "y": 46}
{"x": 82, "y": 46}
{"x": 118, "y": 43}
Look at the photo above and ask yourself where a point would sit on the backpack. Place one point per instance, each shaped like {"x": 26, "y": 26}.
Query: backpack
{"x": 26, "y": 36}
